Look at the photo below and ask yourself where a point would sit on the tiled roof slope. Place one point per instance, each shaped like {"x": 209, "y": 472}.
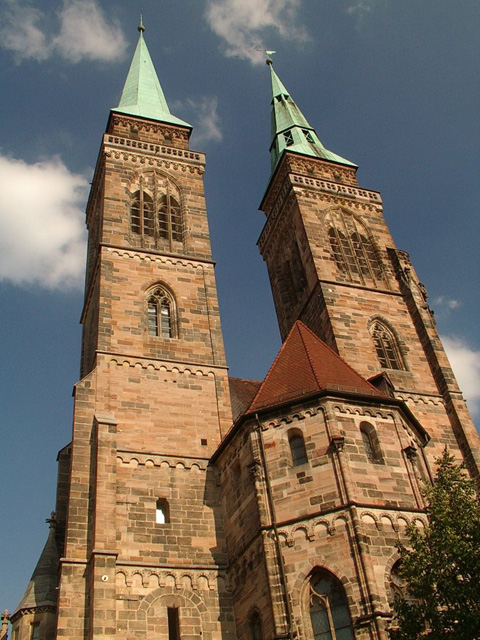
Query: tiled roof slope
{"x": 242, "y": 392}
{"x": 306, "y": 365}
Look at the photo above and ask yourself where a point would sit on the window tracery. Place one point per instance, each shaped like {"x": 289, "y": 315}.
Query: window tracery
{"x": 386, "y": 346}
{"x": 155, "y": 211}
{"x": 353, "y": 250}
{"x": 328, "y": 606}
{"x": 161, "y": 314}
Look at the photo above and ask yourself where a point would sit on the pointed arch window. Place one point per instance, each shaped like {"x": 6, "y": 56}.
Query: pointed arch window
{"x": 297, "y": 448}
{"x": 169, "y": 219}
{"x": 161, "y": 314}
{"x": 353, "y": 250}
{"x": 142, "y": 218}
{"x": 329, "y": 612}
{"x": 255, "y": 626}
{"x": 156, "y": 213}
{"x": 386, "y": 346}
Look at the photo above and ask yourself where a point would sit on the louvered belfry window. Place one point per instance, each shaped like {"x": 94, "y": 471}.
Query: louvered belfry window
{"x": 353, "y": 250}
{"x": 156, "y": 214}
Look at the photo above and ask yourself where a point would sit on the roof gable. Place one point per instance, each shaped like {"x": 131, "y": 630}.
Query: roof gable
{"x": 306, "y": 365}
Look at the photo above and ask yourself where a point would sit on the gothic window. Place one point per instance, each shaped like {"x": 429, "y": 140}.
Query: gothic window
{"x": 160, "y": 314}
{"x": 371, "y": 444}
{"x": 297, "y": 449}
{"x": 386, "y": 346}
{"x": 255, "y": 626}
{"x": 162, "y": 511}
{"x": 156, "y": 218}
{"x": 169, "y": 219}
{"x": 328, "y": 606}
{"x": 173, "y": 618}
{"x": 142, "y": 218}
{"x": 353, "y": 250}
{"x": 397, "y": 583}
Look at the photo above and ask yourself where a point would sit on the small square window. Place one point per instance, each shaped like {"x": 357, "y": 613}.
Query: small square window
{"x": 288, "y": 136}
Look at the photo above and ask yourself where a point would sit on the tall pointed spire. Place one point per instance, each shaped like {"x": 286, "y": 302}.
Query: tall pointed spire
{"x": 291, "y": 130}
{"x": 142, "y": 94}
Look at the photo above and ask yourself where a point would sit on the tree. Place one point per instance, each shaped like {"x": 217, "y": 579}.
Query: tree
{"x": 441, "y": 564}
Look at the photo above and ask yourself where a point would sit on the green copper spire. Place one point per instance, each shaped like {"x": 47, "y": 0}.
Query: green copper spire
{"x": 291, "y": 130}
{"x": 142, "y": 94}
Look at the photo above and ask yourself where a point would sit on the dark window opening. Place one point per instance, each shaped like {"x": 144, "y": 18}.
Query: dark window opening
{"x": 255, "y": 625}
{"x": 297, "y": 449}
{"x": 173, "y": 623}
{"x": 288, "y": 137}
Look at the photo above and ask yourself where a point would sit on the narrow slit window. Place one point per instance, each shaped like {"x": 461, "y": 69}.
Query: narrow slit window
{"x": 162, "y": 512}
{"x": 173, "y": 616}
{"x": 255, "y": 624}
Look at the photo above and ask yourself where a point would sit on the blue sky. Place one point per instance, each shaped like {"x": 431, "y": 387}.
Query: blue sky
{"x": 391, "y": 85}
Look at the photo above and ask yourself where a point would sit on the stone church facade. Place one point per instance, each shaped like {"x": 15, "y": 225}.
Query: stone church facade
{"x": 194, "y": 505}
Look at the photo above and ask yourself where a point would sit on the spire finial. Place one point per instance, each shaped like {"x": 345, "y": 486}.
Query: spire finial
{"x": 140, "y": 27}
{"x": 269, "y": 55}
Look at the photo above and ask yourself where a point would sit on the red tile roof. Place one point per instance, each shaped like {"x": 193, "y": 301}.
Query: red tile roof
{"x": 242, "y": 392}
{"x": 306, "y": 365}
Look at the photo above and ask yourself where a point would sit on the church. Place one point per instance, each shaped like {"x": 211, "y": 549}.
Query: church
{"x": 191, "y": 504}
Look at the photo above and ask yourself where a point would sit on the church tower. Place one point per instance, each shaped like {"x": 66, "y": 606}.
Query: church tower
{"x": 139, "y": 528}
{"x": 324, "y": 467}
{"x": 333, "y": 264}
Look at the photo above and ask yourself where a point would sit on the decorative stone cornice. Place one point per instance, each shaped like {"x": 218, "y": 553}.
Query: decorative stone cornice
{"x": 134, "y": 459}
{"x": 154, "y": 161}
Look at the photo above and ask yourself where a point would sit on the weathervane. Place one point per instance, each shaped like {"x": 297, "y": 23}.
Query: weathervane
{"x": 269, "y": 55}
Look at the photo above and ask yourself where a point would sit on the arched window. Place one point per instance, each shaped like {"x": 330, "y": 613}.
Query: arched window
{"x": 169, "y": 219}
{"x": 370, "y": 442}
{"x": 328, "y": 605}
{"x": 157, "y": 218}
{"x": 162, "y": 511}
{"x": 160, "y": 311}
{"x": 142, "y": 219}
{"x": 353, "y": 250}
{"x": 386, "y": 346}
{"x": 255, "y": 626}
{"x": 297, "y": 448}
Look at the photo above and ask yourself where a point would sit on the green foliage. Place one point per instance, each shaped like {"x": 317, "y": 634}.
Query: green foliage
{"x": 441, "y": 565}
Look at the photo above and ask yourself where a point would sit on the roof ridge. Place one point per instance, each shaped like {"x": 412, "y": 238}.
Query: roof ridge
{"x": 304, "y": 326}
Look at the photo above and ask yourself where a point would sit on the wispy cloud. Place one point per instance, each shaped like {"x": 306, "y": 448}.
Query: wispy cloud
{"x": 445, "y": 302}
{"x": 465, "y": 363}
{"x": 42, "y": 237}
{"x": 83, "y": 32}
{"x": 207, "y": 125}
{"x": 246, "y": 26}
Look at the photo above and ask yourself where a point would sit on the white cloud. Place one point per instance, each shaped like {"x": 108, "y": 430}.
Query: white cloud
{"x": 446, "y": 302}
{"x": 42, "y": 237}
{"x": 244, "y": 25}
{"x": 84, "y": 32}
{"x": 465, "y": 363}
{"x": 207, "y": 126}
